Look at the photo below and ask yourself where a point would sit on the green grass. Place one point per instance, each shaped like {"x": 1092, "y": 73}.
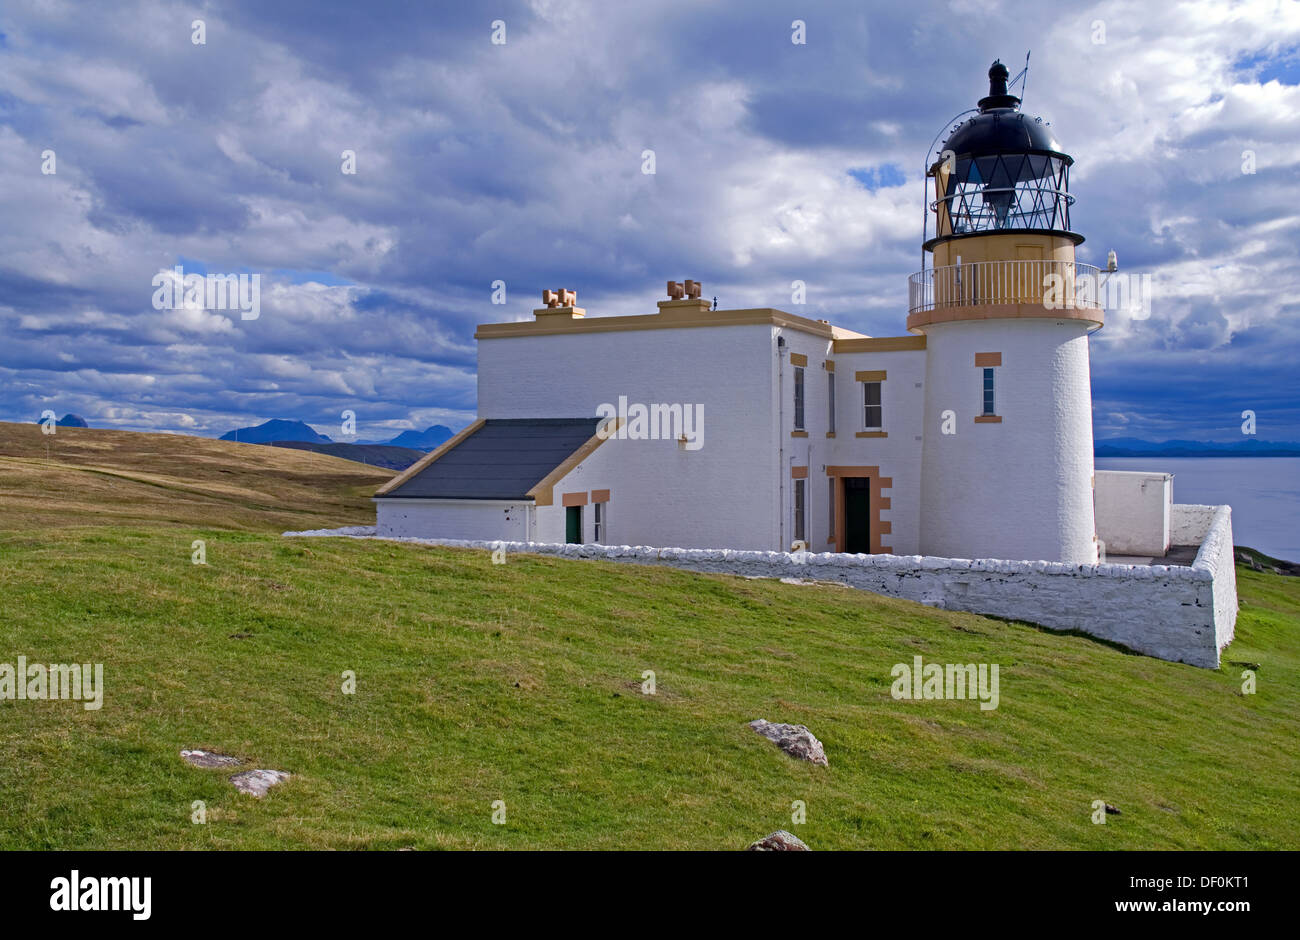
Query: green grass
{"x": 521, "y": 682}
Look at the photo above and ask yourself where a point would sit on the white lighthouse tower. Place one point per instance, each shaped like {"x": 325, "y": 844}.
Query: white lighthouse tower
{"x": 1007, "y": 465}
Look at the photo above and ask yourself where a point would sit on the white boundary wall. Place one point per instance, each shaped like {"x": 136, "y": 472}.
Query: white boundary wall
{"x": 1180, "y": 614}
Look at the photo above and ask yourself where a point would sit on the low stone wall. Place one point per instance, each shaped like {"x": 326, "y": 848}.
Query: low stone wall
{"x": 1181, "y": 614}
{"x": 1189, "y": 524}
{"x": 1211, "y": 528}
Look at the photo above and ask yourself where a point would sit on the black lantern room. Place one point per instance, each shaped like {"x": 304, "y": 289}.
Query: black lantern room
{"x": 1001, "y": 171}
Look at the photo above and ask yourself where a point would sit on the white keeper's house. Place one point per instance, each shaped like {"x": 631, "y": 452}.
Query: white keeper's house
{"x": 968, "y": 437}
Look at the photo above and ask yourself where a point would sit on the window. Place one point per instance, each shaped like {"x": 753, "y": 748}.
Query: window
{"x": 830, "y": 524}
{"x": 598, "y": 521}
{"x": 873, "y": 413}
{"x": 800, "y": 490}
{"x": 988, "y": 392}
{"x": 798, "y": 398}
{"x": 830, "y": 388}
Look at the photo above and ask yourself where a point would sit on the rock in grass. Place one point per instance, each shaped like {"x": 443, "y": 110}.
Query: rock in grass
{"x": 210, "y": 759}
{"x": 779, "y": 841}
{"x": 257, "y": 782}
{"x": 795, "y": 740}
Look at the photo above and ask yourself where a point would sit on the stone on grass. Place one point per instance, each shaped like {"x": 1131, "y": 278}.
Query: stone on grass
{"x": 210, "y": 759}
{"x": 795, "y": 740}
{"x": 257, "y": 782}
{"x": 779, "y": 841}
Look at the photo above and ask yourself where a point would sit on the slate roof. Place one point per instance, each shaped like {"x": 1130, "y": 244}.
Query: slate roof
{"x": 503, "y": 459}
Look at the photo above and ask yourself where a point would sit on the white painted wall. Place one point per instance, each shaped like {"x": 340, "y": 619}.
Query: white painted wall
{"x": 1021, "y": 488}
{"x": 810, "y": 451}
{"x": 723, "y": 493}
{"x": 453, "y": 519}
{"x": 899, "y": 455}
{"x": 1133, "y": 510}
{"x": 1190, "y": 523}
{"x": 1211, "y": 528}
{"x": 737, "y": 489}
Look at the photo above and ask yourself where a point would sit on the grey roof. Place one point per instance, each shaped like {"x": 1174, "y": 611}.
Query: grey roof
{"x": 503, "y": 459}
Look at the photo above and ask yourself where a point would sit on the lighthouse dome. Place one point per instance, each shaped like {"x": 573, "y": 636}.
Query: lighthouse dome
{"x": 1002, "y": 170}
{"x": 1003, "y": 130}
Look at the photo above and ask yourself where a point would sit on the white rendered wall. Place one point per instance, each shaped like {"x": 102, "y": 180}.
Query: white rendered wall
{"x": 898, "y": 455}
{"x": 1210, "y": 527}
{"x": 723, "y": 493}
{"x": 1189, "y": 523}
{"x": 452, "y": 519}
{"x": 647, "y": 503}
{"x": 1021, "y": 488}
{"x": 1133, "y": 511}
{"x": 811, "y": 451}
{"x": 736, "y": 490}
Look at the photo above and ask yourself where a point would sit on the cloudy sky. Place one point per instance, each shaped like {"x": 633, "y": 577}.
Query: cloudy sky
{"x": 522, "y": 162}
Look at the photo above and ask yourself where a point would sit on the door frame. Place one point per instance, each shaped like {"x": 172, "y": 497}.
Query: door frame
{"x": 878, "y": 502}
{"x": 571, "y": 512}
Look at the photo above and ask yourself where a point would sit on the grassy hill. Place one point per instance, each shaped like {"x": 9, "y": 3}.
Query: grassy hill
{"x": 78, "y": 476}
{"x": 521, "y": 682}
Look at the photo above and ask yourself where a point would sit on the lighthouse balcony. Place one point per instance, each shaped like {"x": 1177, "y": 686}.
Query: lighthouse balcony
{"x": 1000, "y": 287}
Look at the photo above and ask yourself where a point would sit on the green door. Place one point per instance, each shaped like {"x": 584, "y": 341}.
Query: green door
{"x": 573, "y": 525}
{"x": 857, "y": 515}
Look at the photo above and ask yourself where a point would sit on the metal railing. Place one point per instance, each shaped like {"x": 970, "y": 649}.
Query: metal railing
{"x": 1052, "y": 283}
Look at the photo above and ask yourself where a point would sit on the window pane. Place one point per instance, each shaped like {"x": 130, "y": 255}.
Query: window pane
{"x": 798, "y": 398}
{"x": 872, "y": 410}
{"x": 830, "y": 386}
{"x": 871, "y": 404}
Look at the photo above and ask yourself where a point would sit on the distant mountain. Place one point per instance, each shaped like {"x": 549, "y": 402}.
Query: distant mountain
{"x": 376, "y": 455}
{"x": 428, "y": 439}
{"x": 68, "y": 421}
{"x": 277, "y": 429}
{"x": 1134, "y": 447}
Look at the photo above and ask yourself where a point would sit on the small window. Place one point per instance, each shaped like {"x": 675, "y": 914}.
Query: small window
{"x": 873, "y": 413}
{"x": 598, "y": 522}
{"x": 988, "y": 392}
{"x": 800, "y": 490}
{"x": 830, "y": 389}
{"x": 798, "y": 398}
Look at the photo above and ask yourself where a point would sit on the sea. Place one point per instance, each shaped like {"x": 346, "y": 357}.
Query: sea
{"x": 1264, "y": 493}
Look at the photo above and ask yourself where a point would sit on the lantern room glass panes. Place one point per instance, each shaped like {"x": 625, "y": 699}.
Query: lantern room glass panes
{"x": 1007, "y": 191}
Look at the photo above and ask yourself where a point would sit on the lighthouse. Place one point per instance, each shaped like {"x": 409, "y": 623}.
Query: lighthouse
{"x": 1007, "y": 468}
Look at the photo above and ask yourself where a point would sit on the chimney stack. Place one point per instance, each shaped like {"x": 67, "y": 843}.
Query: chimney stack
{"x": 684, "y": 297}
{"x": 560, "y": 304}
